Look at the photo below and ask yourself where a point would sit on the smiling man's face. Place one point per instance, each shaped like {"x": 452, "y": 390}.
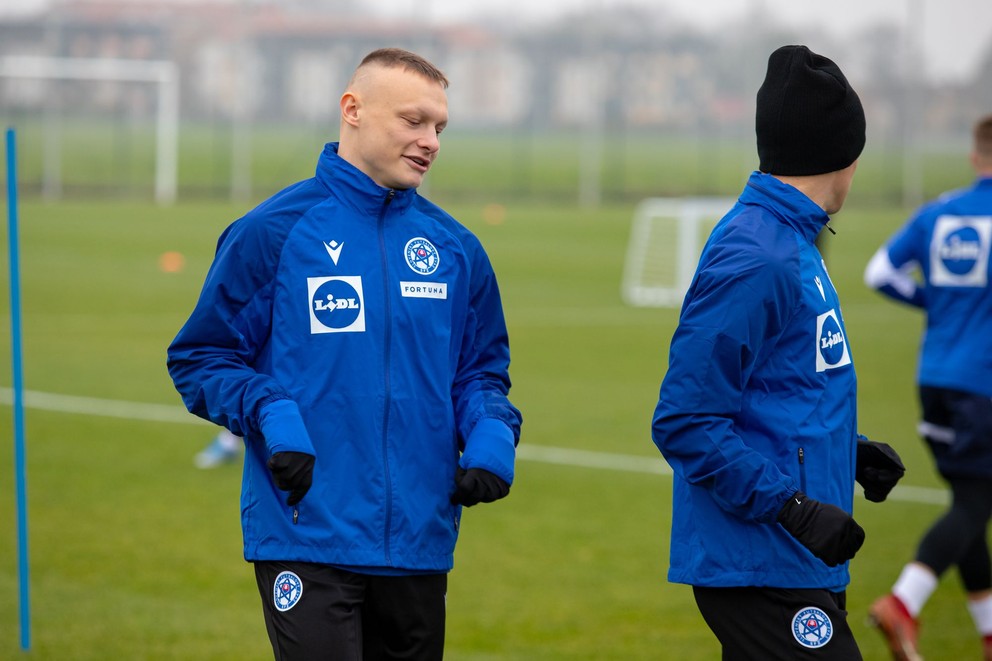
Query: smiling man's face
{"x": 391, "y": 122}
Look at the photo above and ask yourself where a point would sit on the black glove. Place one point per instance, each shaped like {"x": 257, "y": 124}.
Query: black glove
{"x": 829, "y": 532}
{"x": 475, "y": 486}
{"x": 878, "y": 469}
{"x": 293, "y": 472}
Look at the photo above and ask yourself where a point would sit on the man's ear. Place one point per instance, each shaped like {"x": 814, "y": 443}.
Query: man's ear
{"x": 350, "y": 106}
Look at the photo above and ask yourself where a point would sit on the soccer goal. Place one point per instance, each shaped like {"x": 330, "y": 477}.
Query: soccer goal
{"x": 666, "y": 237}
{"x": 162, "y": 74}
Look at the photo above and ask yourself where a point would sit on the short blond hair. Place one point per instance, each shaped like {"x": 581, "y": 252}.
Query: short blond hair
{"x": 397, "y": 57}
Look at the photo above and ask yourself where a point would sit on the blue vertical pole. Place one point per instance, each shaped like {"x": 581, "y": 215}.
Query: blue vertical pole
{"x": 15, "y": 324}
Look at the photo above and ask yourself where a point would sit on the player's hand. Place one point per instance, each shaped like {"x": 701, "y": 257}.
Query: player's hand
{"x": 878, "y": 469}
{"x": 475, "y": 486}
{"x": 293, "y": 472}
{"x": 830, "y": 533}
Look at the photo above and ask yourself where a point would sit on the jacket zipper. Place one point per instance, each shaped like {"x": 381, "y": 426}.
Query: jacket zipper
{"x": 802, "y": 470}
{"x": 387, "y": 399}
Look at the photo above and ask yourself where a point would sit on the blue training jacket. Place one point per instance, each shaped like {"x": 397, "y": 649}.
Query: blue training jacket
{"x": 759, "y": 398}
{"x": 949, "y": 240}
{"x": 364, "y": 326}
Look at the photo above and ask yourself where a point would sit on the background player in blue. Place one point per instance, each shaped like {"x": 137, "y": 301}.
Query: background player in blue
{"x": 947, "y": 243}
{"x": 757, "y": 412}
{"x": 352, "y": 333}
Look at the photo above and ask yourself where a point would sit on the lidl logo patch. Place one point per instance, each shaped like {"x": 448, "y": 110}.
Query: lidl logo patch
{"x": 336, "y": 304}
{"x": 959, "y": 251}
{"x": 831, "y": 346}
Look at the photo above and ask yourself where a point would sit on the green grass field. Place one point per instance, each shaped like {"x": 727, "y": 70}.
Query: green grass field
{"x": 137, "y": 555}
{"x": 114, "y": 158}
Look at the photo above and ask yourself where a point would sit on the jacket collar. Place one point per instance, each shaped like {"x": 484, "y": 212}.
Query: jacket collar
{"x": 786, "y": 202}
{"x": 356, "y": 188}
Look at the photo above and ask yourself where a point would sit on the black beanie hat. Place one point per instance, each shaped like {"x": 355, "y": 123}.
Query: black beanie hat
{"x": 809, "y": 119}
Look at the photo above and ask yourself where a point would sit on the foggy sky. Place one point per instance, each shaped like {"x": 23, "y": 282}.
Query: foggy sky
{"x": 956, "y": 35}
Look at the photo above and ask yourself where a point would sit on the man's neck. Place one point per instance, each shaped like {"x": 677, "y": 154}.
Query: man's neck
{"x": 817, "y": 187}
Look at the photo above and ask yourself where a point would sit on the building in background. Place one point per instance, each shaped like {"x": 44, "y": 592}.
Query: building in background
{"x": 604, "y": 71}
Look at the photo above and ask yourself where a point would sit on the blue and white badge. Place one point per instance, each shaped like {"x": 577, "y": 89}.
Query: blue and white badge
{"x": 419, "y": 289}
{"x": 831, "y": 347}
{"x": 421, "y": 255}
{"x": 287, "y": 591}
{"x": 959, "y": 251}
{"x": 337, "y": 304}
{"x": 811, "y": 627}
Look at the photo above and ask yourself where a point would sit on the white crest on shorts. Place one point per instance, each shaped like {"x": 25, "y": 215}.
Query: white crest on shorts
{"x": 811, "y": 627}
{"x": 286, "y": 591}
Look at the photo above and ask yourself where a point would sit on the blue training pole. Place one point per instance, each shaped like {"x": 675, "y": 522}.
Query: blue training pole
{"x": 15, "y": 326}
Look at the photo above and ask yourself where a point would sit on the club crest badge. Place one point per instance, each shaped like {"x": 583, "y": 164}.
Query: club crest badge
{"x": 421, "y": 255}
{"x": 811, "y": 627}
{"x": 287, "y": 591}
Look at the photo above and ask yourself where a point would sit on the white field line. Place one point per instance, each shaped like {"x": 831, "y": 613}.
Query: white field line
{"x": 109, "y": 408}
{"x": 116, "y": 408}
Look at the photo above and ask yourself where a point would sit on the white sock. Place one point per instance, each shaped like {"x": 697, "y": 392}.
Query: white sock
{"x": 228, "y": 441}
{"x": 981, "y": 613}
{"x": 914, "y": 586}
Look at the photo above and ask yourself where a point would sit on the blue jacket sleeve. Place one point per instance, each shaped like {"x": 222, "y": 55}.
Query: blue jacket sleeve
{"x": 211, "y": 360}
{"x": 488, "y": 424}
{"x": 734, "y": 316}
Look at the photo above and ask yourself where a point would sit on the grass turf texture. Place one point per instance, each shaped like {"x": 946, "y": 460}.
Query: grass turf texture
{"x": 137, "y": 555}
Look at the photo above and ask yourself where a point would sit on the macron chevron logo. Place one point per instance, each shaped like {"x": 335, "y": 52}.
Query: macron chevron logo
{"x": 334, "y": 250}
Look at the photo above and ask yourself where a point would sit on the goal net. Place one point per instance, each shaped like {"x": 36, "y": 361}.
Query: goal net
{"x": 666, "y": 237}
